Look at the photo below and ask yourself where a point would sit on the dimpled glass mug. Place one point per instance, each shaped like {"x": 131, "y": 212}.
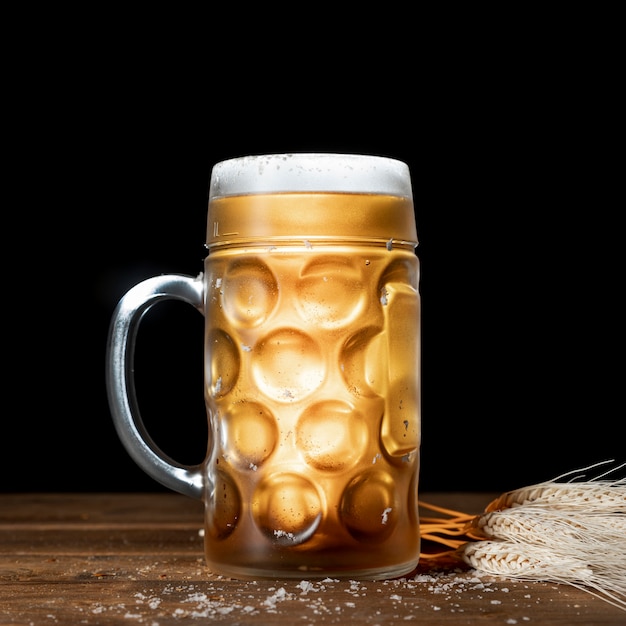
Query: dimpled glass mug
{"x": 312, "y": 373}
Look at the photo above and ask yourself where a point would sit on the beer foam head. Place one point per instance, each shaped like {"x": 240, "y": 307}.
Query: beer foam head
{"x": 310, "y": 172}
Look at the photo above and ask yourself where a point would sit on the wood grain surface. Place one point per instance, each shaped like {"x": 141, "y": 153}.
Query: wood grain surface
{"x": 72, "y": 559}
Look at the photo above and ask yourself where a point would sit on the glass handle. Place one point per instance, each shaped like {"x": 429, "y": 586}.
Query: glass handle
{"x": 186, "y": 479}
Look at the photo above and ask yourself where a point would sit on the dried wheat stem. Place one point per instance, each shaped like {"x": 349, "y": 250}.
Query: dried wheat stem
{"x": 572, "y": 533}
{"x": 598, "y": 496}
{"x": 594, "y": 495}
{"x": 507, "y": 558}
{"x": 512, "y": 559}
{"x": 441, "y": 530}
{"x": 453, "y": 515}
{"x": 546, "y": 526}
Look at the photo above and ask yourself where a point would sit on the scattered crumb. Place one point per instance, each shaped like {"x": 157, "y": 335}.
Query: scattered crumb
{"x": 327, "y": 600}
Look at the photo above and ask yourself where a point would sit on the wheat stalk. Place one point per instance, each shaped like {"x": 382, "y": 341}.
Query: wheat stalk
{"x": 592, "y": 495}
{"x": 548, "y": 543}
{"x": 605, "y": 578}
{"x": 544, "y": 525}
{"x": 572, "y": 533}
{"x": 506, "y": 558}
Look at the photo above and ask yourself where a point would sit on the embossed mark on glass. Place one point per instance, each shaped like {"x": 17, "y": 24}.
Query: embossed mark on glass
{"x": 312, "y": 372}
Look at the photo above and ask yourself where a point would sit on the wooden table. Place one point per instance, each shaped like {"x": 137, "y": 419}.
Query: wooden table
{"x": 72, "y": 559}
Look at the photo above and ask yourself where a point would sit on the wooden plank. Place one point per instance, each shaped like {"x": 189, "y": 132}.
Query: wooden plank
{"x": 137, "y": 559}
{"x": 164, "y": 597}
{"x": 79, "y": 508}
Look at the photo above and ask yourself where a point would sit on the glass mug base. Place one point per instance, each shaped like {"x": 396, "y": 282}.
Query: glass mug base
{"x": 306, "y": 571}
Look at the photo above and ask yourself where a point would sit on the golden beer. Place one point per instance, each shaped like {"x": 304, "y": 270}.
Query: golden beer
{"x": 312, "y": 386}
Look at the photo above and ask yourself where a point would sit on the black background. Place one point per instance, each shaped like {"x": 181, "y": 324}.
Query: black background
{"x": 517, "y": 171}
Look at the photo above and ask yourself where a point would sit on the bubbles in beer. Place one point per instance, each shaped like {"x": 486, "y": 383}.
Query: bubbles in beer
{"x": 249, "y": 290}
{"x": 363, "y": 365}
{"x": 331, "y": 435}
{"x": 369, "y": 507}
{"x": 287, "y": 365}
{"x": 249, "y": 433}
{"x": 225, "y": 506}
{"x": 330, "y": 291}
{"x": 287, "y": 507}
{"x": 222, "y": 368}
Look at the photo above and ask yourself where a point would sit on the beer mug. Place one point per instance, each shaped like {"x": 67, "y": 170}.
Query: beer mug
{"x": 312, "y": 369}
